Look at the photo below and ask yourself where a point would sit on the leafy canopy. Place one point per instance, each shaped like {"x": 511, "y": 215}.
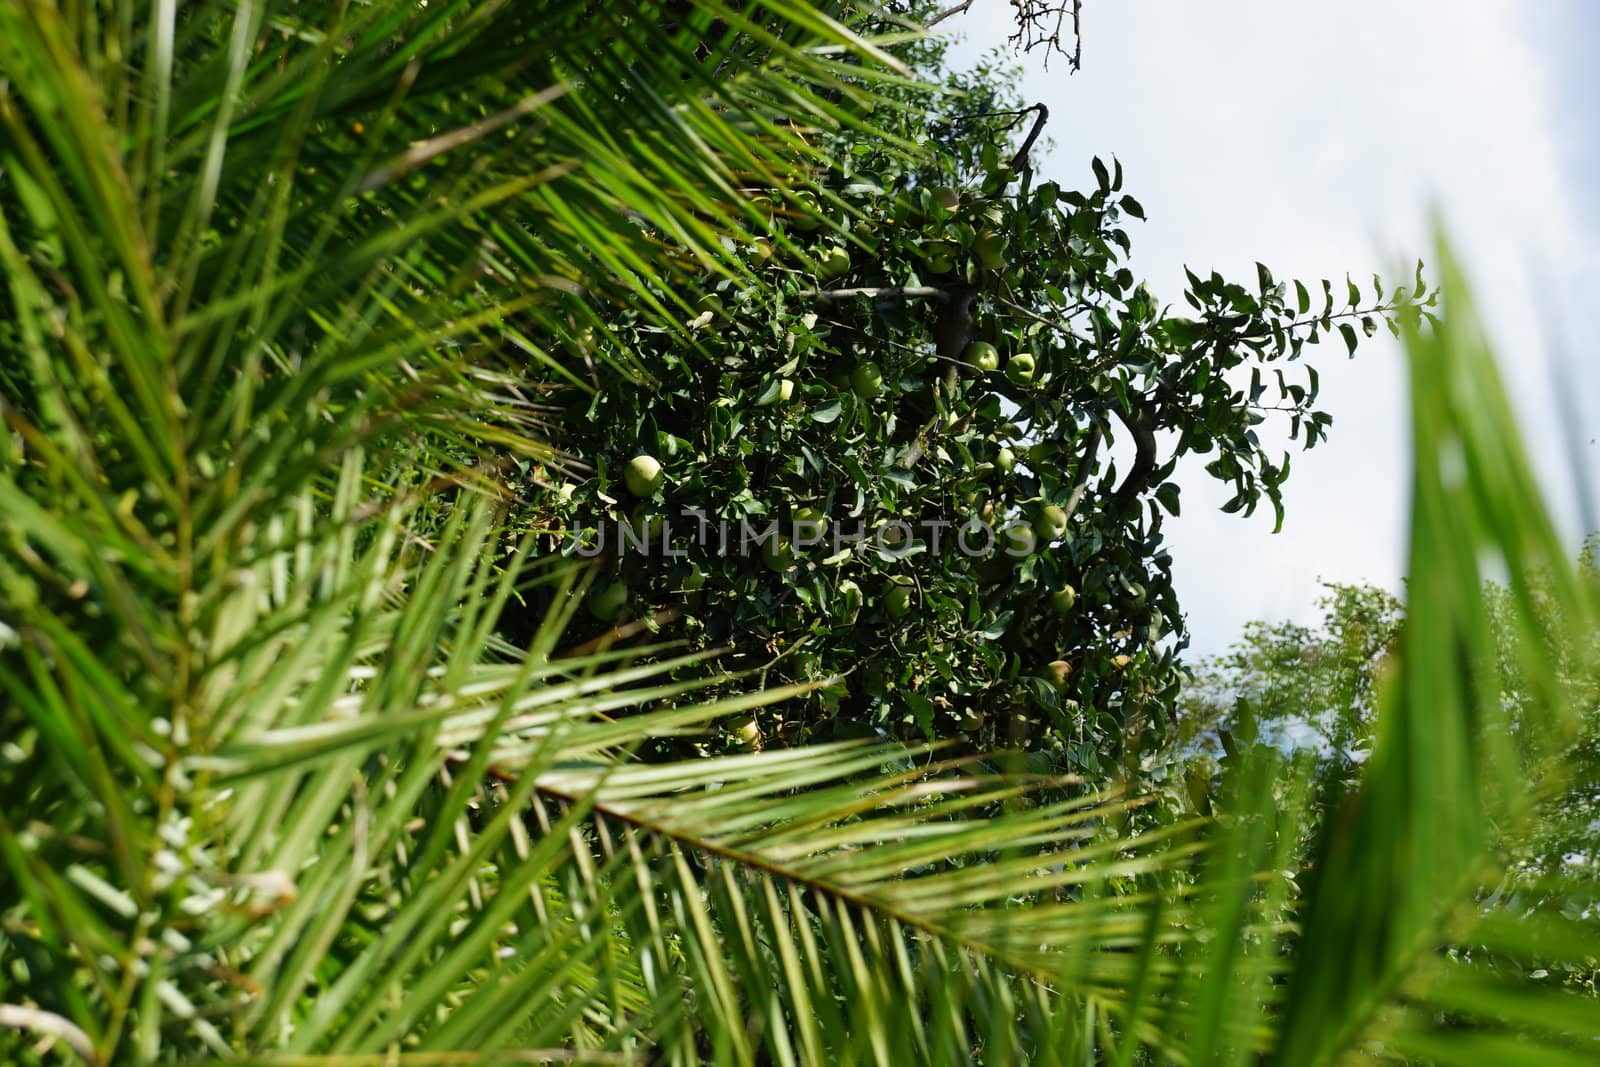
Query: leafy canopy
{"x": 949, "y": 413}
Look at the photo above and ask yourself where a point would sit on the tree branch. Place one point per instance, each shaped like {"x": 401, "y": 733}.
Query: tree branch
{"x": 952, "y": 334}
{"x": 919, "y": 447}
{"x": 1080, "y": 481}
{"x": 893, "y": 292}
{"x": 949, "y": 12}
{"x": 1042, "y": 116}
{"x": 1144, "y": 459}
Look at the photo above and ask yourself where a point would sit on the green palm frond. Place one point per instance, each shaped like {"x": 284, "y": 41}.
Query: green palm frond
{"x": 270, "y": 269}
{"x": 1406, "y": 891}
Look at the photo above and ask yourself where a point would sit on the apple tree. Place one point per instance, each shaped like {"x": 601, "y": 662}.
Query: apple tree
{"x": 934, "y": 339}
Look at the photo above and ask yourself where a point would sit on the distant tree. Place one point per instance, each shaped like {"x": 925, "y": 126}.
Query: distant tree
{"x": 1317, "y": 687}
{"x": 1297, "y": 685}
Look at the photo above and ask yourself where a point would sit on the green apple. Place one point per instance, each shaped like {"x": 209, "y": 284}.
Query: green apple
{"x": 812, "y": 520}
{"x": 1051, "y": 523}
{"x": 1005, "y": 460}
{"x": 941, "y": 256}
{"x": 982, "y": 355}
{"x": 1017, "y": 540}
{"x": 945, "y": 197}
{"x": 866, "y": 380}
{"x": 1063, "y": 600}
{"x": 1020, "y": 368}
{"x": 806, "y": 664}
{"x": 643, "y": 475}
{"x": 647, "y": 525}
{"x": 990, "y": 249}
{"x": 833, "y": 263}
{"x": 1057, "y": 672}
{"x": 897, "y": 601}
{"x": 1039, "y": 455}
{"x": 695, "y": 579}
{"x": 808, "y": 212}
{"x": 778, "y": 554}
{"x": 607, "y": 601}
{"x": 1137, "y": 595}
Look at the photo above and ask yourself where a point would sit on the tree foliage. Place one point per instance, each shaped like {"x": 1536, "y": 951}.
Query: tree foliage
{"x": 948, "y": 413}
{"x": 1301, "y": 686}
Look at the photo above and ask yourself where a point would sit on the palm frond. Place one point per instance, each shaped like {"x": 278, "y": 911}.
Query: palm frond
{"x": 1411, "y": 863}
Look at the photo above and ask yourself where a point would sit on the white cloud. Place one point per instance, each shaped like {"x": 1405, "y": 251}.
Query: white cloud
{"x": 1318, "y": 139}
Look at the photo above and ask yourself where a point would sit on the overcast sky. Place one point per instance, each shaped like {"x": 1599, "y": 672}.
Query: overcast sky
{"x": 1320, "y": 139}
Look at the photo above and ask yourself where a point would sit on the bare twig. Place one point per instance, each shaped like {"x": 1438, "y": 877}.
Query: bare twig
{"x": 949, "y": 12}
{"x": 1033, "y": 17}
{"x": 1058, "y": 324}
{"x": 919, "y": 446}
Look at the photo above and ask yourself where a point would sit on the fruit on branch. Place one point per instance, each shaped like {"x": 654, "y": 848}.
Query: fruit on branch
{"x": 778, "y": 554}
{"x": 1057, "y": 673}
{"x": 1020, "y": 369}
{"x": 1051, "y": 523}
{"x": 990, "y": 248}
{"x": 941, "y": 256}
{"x": 643, "y": 475}
{"x": 607, "y": 601}
{"x": 982, "y": 355}
{"x": 866, "y": 381}
{"x": 833, "y": 263}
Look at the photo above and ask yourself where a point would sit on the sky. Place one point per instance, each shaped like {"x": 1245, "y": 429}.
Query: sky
{"x": 1323, "y": 139}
